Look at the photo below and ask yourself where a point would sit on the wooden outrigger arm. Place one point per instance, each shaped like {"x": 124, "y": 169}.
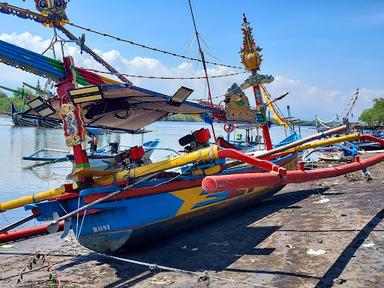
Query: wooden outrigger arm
{"x": 336, "y": 130}
{"x": 202, "y": 155}
{"x": 218, "y": 183}
{"x": 213, "y": 184}
{"x": 315, "y": 144}
{"x": 38, "y": 197}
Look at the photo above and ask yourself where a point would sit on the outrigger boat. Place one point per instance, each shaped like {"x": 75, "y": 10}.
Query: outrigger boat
{"x": 102, "y": 155}
{"x": 23, "y": 117}
{"x": 109, "y": 211}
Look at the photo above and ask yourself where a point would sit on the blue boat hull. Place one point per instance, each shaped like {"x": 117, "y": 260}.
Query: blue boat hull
{"x": 116, "y": 240}
{"x": 155, "y": 208}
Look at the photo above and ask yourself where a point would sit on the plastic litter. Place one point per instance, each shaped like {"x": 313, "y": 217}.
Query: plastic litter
{"x": 6, "y": 246}
{"x": 369, "y": 244}
{"x": 164, "y": 280}
{"x": 315, "y": 252}
{"x": 324, "y": 200}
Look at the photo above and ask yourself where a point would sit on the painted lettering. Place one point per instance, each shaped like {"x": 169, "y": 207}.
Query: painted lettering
{"x": 101, "y": 228}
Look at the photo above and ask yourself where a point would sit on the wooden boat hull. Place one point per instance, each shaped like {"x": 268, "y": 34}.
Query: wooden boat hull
{"x": 155, "y": 209}
{"x": 126, "y": 223}
{"x": 21, "y": 121}
{"x": 130, "y": 237}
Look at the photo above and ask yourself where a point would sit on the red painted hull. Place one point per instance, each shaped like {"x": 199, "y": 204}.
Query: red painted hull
{"x": 26, "y": 233}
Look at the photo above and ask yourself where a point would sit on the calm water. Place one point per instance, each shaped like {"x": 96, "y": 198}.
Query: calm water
{"x": 17, "y": 178}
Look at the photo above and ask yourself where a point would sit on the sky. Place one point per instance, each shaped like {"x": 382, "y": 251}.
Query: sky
{"x": 318, "y": 51}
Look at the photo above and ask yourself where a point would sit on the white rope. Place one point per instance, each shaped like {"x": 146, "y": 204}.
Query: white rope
{"x": 81, "y": 225}
{"x": 154, "y": 267}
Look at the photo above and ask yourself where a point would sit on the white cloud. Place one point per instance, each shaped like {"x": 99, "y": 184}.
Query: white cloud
{"x": 305, "y": 100}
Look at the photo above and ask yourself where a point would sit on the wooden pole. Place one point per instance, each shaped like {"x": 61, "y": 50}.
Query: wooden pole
{"x": 259, "y": 106}
{"x": 74, "y": 128}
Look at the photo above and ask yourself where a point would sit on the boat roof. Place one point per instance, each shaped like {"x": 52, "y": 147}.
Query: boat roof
{"x": 121, "y": 106}
{"x": 133, "y": 108}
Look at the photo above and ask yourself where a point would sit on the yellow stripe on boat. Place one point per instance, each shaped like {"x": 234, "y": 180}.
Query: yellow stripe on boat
{"x": 38, "y": 197}
{"x": 86, "y": 172}
{"x": 330, "y": 141}
{"x": 202, "y": 155}
{"x": 80, "y": 91}
{"x": 208, "y": 171}
{"x": 46, "y": 112}
{"x": 91, "y": 98}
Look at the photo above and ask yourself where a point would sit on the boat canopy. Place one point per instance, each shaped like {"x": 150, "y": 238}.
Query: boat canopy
{"x": 107, "y": 104}
{"x": 131, "y": 107}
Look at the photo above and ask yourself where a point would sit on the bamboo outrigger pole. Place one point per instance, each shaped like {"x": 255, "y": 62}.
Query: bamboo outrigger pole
{"x": 38, "y": 197}
{"x": 327, "y": 133}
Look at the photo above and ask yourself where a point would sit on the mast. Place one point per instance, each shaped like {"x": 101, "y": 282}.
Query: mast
{"x": 251, "y": 59}
{"x": 204, "y": 63}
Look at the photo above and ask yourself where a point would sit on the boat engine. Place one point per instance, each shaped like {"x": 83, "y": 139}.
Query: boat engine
{"x": 132, "y": 157}
{"x": 196, "y": 140}
{"x": 114, "y": 147}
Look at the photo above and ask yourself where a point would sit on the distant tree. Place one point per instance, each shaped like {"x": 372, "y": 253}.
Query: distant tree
{"x": 374, "y": 115}
{"x": 18, "y": 99}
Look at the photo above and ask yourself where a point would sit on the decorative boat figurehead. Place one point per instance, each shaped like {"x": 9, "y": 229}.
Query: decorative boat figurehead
{"x": 54, "y": 10}
{"x": 237, "y": 105}
{"x": 250, "y": 52}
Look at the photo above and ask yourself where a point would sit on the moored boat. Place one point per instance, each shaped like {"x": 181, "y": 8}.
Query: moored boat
{"x": 109, "y": 211}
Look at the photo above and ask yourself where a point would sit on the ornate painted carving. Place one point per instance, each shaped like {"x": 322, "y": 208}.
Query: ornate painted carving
{"x": 256, "y": 79}
{"x": 73, "y": 126}
{"x": 250, "y": 56}
{"x": 237, "y": 107}
{"x": 54, "y": 10}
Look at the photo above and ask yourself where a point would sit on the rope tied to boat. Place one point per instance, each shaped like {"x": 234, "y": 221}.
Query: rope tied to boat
{"x": 201, "y": 276}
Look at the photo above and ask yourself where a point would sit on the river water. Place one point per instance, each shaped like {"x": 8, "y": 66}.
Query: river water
{"x": 18, "y": 179}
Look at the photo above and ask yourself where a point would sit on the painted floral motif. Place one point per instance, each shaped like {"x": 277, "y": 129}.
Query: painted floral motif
{"x": 54, "y": 10}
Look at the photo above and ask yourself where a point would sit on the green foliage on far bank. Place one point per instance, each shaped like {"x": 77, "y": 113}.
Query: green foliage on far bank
{"x": 374, "y": 115}
{"x": 16, "y": 98}
{"x": 183, "y": 118}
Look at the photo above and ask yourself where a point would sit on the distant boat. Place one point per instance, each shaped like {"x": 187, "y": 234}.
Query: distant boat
{"x": 21, "y": 119}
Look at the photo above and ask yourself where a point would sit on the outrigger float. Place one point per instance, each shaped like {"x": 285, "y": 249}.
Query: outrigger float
{"x": 109, "y": 211}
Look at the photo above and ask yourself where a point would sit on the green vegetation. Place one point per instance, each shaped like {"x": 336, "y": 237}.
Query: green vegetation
{"x": 16, "y": 98}
{"x": 374, "y": 115}
{"x": 191, "y": 118}
{"x": 183, "y": 118}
